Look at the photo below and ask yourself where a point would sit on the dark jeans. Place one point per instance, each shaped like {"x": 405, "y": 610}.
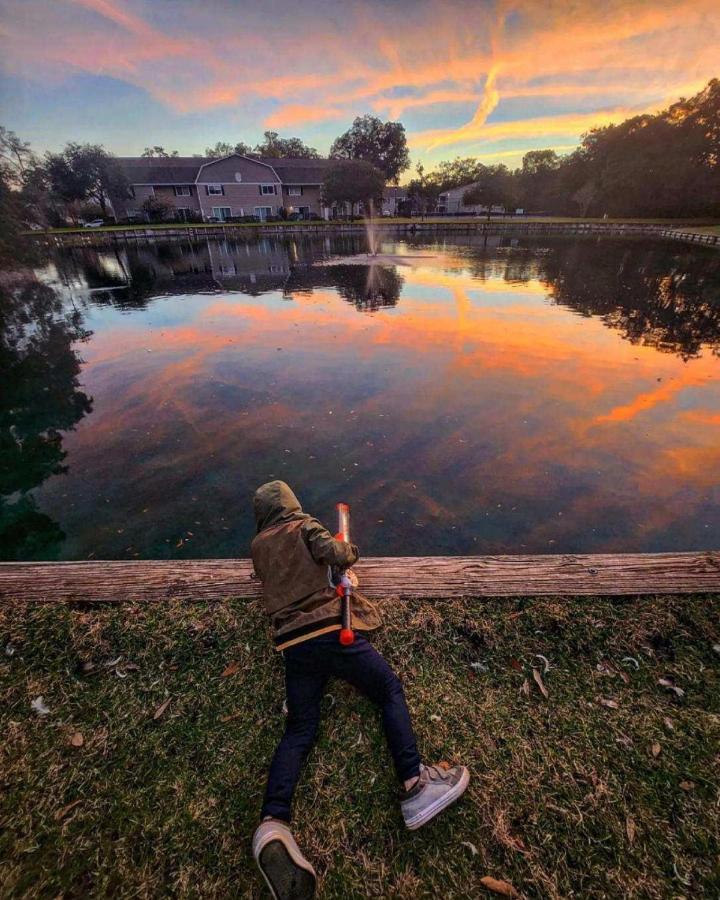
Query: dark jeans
{"x": 307, "y": 669}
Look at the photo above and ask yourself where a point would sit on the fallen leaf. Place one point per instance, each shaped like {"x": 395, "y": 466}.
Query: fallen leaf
{"x": 38, "y": 706}
{"x": 546, "y": 664}
{"x": 232, "y": 669}
{"x": 630, "y": 829}
{"x": 656, "y": 749}
{"x": 666, "y": 683}
{"x": 498, "y": 887}
{"x": 525, "y": 688}
{"x": 61, "y": 813}
{"x": 540, "y": 683}
{"x": 516, "y": 665}
{"x": 77, "y": 740}
{"x": 668, "y": 722}
{"x": 611, "y": 704}
{"x": 161, "y": 709}
{"x": 716, "y": 648}
{"x": 471, "y": 847}
{"x": 444, "y": 765}
{"x": 687, "y": 785}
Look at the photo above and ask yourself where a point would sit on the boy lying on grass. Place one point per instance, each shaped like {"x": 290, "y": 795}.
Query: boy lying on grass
{"x": 297, "y": 559}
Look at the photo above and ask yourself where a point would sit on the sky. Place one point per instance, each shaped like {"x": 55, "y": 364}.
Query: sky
{"x": 484, "y": 78}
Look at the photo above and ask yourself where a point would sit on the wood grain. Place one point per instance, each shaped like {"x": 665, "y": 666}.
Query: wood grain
{"x": 405, "y": 577}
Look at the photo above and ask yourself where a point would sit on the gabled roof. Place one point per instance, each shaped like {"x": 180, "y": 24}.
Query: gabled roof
{"x": 161, "y": 170}
{"x": 185, "y": 169}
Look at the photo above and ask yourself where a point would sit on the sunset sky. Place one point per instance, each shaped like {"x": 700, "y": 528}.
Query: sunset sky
{"x": 475, "y": 78}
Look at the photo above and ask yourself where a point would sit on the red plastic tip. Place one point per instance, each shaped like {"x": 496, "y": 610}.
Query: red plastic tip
{"x": 347, "y": 637}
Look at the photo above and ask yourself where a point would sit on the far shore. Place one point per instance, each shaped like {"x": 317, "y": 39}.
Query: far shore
{"x": 698, "y": 226}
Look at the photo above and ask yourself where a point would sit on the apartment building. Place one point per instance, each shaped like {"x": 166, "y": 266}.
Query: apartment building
{"x": 223, "y": 189}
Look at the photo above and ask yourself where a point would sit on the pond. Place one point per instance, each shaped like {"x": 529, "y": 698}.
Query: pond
{"x": 488, "y": 395}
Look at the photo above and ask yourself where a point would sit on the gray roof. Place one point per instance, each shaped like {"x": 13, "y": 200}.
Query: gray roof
{"x": 184, "y": 169}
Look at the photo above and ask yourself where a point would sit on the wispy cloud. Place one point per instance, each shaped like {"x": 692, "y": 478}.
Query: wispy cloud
{"x": 535, "y": 70}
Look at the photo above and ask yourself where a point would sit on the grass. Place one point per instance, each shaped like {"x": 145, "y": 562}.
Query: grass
{"x": 704, "y": 225}
{"x": 569, "y": 797}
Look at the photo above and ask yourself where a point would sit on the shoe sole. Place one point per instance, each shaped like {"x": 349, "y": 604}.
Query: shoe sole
{"x": 286, "y": 879}
{"x": 440, "y": 804}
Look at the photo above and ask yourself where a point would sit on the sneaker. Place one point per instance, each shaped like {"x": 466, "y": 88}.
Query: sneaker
{"x": 435, "y": 789}
{"x": 287, "y": 873}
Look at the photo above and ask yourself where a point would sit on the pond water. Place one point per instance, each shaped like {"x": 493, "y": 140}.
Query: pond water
{"x": 487, "y": 395}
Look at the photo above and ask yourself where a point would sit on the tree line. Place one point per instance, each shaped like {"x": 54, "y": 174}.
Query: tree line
{"x": 666, "y": 164}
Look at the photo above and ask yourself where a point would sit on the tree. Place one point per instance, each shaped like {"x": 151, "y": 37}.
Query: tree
{"x": 457, "y": 172}
{"x": 353, "y": 181}
{"x": 158, "y": 209}
{"x": 159, "y": 151}
{"x": 85, "y": 172}
{"x": 224, "y": 149}
{"x": 383, "y": 144}
{"x": 274, "y": 146}
{"x": 16, "y": 157}
{"x": 495, "y": 187}
{"x": 423, "y": 191}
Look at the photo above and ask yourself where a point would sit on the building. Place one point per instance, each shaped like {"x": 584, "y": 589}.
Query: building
{"x": 395, "y": 201}
{"x": 201, "y": 189}
{"x": 450, "y": 203}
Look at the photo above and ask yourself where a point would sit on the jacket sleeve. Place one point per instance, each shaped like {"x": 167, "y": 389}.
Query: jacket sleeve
{"x": 325, "y": 549}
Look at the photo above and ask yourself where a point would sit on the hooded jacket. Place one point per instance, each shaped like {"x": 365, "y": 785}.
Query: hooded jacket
{"x": 293, "y": 556}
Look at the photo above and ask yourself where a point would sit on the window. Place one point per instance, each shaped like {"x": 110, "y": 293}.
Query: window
{"x": 295, "y": 191}
{"x": 183, "y": 213}
{"x": 215, "y": 189}
{"x": 267, "y": 188}
{"x": 221, "y": 212}
{"x": 183, "y": 190}
{"x": 262, "y": 212}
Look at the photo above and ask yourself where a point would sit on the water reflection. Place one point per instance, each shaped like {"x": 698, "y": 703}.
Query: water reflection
{"x": 41, "y": 399}
{"x": 505, "y": 396}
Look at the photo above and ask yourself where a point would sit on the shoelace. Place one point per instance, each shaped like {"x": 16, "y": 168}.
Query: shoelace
{"x": 435, "y": 773}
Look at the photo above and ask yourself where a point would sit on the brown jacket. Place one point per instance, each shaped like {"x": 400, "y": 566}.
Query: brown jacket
{"x": 294, "y": 556}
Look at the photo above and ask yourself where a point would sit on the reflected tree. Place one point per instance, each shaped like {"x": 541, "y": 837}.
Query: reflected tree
{"x": 368, "y": 288}
{"x": 39, "y": 399}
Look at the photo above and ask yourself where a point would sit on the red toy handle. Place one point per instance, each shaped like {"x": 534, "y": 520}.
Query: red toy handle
{"x": 347, "y": 635}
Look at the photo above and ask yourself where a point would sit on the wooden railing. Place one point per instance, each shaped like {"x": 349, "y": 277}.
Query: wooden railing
{"x": 402, "y": 577}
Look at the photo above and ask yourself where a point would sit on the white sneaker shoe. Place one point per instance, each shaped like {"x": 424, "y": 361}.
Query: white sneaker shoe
{"x": 287, "y": 873}
{"x": 435, "y": 789}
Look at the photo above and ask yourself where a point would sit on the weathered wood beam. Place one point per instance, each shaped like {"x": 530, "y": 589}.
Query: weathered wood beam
{"x": 405, "y": 577}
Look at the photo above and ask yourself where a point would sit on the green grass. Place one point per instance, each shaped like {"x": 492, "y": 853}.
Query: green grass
{"x": 167, "y": 807}
{"x": 704, "y": 225}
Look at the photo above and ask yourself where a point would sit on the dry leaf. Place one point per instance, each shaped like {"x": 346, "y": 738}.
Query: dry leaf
{"x": 525, "y": 688}
{"x": 471, "y": 847}
{"x": 61, "y": 813}
{"x": 687, "y": 785}
{"x": 444, "y": 765}
{"x": 516, "y": 665}
{"x": 668, "y": 722}
{"x": 77, "y": 740}
{"x": 656, "y": 749}
{"x": 611, "y": 704}
{"x": 630, "y": 829}
{"x": 498, "y": 887}
{"x": 232, "y": 669}
{"x": 161, "y": 709}
{"x": 540, "y": 683}
{"x": 666, "y": 683}
{"x": 39, "y": 706}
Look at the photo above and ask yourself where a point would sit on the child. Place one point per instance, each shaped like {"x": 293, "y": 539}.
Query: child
{"x": 295, "y": 557}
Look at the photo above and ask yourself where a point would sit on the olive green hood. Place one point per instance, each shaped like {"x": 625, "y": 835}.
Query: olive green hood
{"x": 273, "y": 503}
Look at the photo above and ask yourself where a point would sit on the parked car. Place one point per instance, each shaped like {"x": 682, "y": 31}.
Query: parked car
{"x": 94, "y": 223}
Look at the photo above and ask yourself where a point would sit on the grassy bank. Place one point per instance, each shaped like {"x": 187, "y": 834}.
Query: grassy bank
{"x": 703, "y": 225}
{"x": 144, "y": 779}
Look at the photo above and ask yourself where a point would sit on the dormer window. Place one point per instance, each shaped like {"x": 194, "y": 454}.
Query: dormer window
{"x": 215, "y": 189}
{"x": 267, "y": 188}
